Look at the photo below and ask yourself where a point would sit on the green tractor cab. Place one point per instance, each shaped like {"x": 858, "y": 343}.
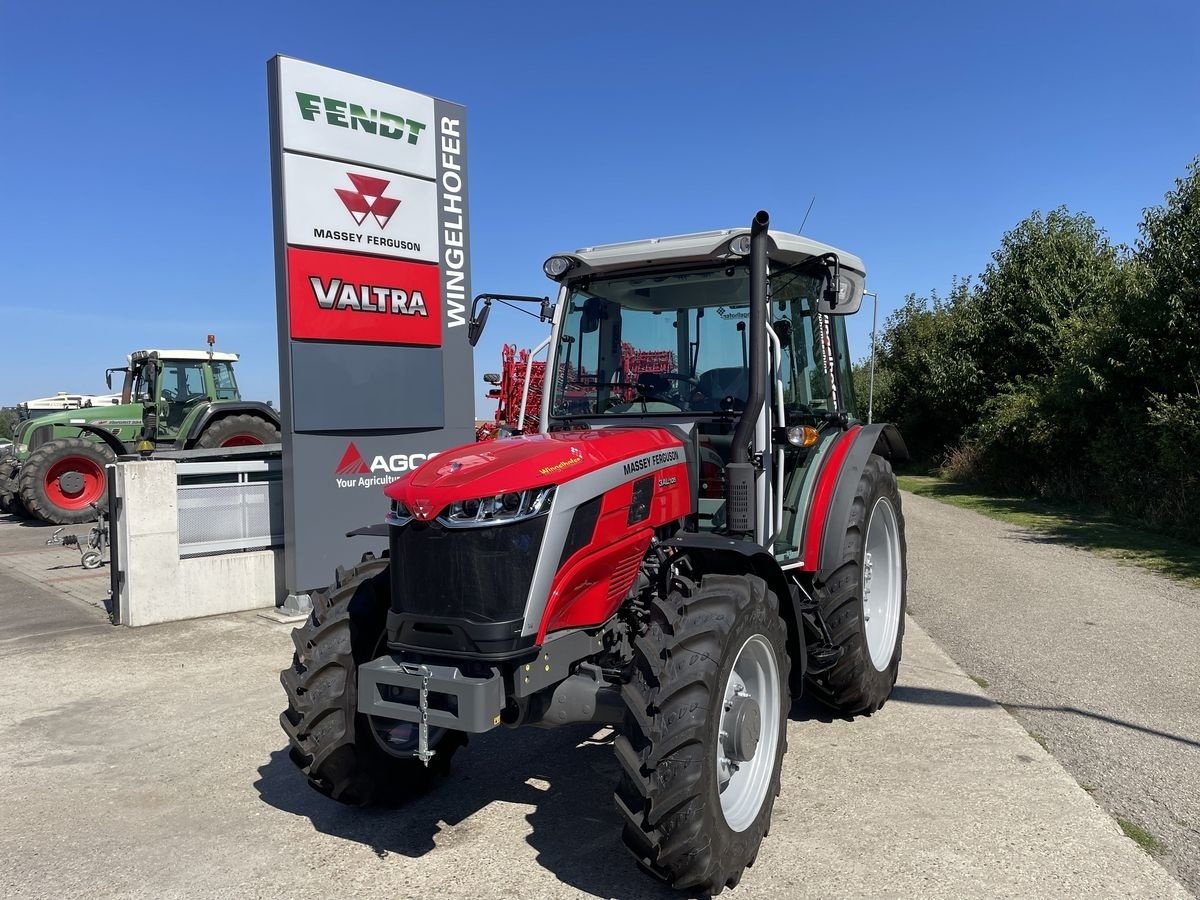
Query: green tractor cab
{"x": 170, "y": 400}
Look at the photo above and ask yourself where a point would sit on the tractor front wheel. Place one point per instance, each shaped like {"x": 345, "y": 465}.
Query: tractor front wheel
{"x": 864, "y": 600}
{"x": 9, "y": 498}
{"x": 239, "y": 431}
{"x": 61, "y": 480}
{"x": 705, "y": 733}
{"x": 347, "y": 755}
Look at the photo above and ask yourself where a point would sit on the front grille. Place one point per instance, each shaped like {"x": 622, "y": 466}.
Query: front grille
{"x": 472, "y": 574}
{"x": 40, "y": 435}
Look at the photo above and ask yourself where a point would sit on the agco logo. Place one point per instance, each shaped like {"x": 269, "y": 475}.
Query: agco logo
{"x": 367, "y": 199}
{"x": 354, "y": 471}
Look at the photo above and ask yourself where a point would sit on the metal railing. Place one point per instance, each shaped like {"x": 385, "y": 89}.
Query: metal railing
{"x": 229, "y": 506}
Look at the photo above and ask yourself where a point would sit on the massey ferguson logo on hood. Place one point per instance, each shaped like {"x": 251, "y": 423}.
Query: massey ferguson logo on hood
{"x": 354, "y": 471}
{"x": 364, "y": 299}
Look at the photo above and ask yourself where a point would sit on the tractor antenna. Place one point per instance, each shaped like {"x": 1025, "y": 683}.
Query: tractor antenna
{"x": 806, "y": 212}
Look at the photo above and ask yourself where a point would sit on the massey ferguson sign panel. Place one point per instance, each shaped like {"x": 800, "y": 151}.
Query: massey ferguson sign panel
{"x": 372, "y": 256}
{"x": 360, "y": 210}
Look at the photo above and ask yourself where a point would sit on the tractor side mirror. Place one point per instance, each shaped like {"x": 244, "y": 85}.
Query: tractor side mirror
{"x": 840, "y": 295}
{"x": 594, "y": 310}
{"x": 477, "y": 322}
{"x": 492, "y": 377}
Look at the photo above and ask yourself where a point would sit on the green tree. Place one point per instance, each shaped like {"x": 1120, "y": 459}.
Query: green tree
{"x": 8, "y": 423}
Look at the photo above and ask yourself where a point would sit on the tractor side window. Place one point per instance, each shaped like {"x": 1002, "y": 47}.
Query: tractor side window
{"x": 804, "y": 342}
{"x": 182, "y": 384}
{"x": 847, "y": 401}
{"x": 143, "y": 390}
{"x": 183, "y": 381}
{"x": 223, "y": 382}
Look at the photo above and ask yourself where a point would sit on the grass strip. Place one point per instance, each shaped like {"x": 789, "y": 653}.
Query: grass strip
{"x": 1105, "y": 535}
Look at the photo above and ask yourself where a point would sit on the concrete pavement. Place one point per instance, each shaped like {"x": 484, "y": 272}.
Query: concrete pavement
{"x": 1098, "y": 659}
{"x": 148, "y": 763}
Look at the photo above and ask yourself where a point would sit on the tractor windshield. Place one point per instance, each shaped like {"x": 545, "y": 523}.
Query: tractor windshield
{"x": 671, "y": 343}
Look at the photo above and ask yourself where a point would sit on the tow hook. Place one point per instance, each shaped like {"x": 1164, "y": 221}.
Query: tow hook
{"x": 424, "y": 754}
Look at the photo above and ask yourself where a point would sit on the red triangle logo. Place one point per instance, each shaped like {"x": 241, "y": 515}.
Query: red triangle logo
{"x": 352, "y": 462}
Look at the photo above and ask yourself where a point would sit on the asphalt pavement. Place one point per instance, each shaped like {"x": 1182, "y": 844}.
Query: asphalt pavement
{"x": 1098, "y": 659}
{"x": 149, "y": 763}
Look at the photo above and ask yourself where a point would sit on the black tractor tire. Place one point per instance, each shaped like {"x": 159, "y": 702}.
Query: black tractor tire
{"x": 9, "y": 467}
{"x": 669, "y": 792}
{"x": 331, "y": 741}
{"x": 241, "y": 430}
{"x": 855, "y": 685}
{"x": 46, "y": 491}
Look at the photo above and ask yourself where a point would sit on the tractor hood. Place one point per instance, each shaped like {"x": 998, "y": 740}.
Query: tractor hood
{"x": 529, "y": 461}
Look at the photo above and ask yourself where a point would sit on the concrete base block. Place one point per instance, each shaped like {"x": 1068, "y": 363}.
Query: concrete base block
{"x": 297, "y": 604}
{"x": 282, "y": 616}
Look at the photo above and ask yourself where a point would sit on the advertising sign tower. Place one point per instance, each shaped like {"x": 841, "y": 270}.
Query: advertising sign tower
{"x": 372, "y": 274}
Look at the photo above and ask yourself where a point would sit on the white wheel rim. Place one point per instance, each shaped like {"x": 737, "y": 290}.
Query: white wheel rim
{"x": 743, "y": 785}
{"x": 882, "y": 584}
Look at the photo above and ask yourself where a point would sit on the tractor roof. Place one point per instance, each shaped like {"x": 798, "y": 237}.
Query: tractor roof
{"x": 688, "y": 248}
{"x": 181, "y": 354}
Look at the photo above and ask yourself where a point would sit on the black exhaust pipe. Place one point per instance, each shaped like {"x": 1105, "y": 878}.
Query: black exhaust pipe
{"x": 739, "y": 474}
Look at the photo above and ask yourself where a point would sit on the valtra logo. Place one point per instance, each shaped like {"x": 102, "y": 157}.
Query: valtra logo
{"x": 354, "y": 472}
{"x": 367, "y": 199}
{"x": 363, "y": 299}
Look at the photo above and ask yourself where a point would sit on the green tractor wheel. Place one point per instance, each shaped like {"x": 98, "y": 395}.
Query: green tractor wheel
{"x": 239, "y": 431}
{"x": 62, "y": 479}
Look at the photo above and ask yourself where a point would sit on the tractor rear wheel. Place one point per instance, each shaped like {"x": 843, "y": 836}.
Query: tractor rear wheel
{"x": 62, "y": 479}
{"x": 239, "y": 431}
{"x": 863, "y": 601}
{"x": 348, "y": 755}
{"x": 705, "y": 732}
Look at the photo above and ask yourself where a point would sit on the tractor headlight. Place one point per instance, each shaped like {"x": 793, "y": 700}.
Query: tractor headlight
{"x": 399, "y": 514}
{"x": 499, "y": 509}
{"x": 557, "y": 266}
{"x": 740, "y": 245}
{"x": 22, "y": 449}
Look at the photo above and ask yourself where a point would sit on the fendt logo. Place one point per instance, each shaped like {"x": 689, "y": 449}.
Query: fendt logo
{"x": 358, "y": 118}
{"x": 354, "y": 472}
{"x": 367, "y": 199}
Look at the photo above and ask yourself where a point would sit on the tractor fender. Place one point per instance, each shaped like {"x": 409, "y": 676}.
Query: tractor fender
{"x": 113, "y": 442}
{"x": 220, "y": 409}
{"x": 883, "y": 439}
{"x": 717, "y": 553}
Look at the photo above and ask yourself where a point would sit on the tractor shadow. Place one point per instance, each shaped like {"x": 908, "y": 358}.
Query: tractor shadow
{"x": 563, "y": 776}
{"x": 23, "y": 521}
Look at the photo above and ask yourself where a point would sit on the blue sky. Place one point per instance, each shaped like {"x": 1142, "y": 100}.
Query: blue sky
{"x": 134, "y": 165}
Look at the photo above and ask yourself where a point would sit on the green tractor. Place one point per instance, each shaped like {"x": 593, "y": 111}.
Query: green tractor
{"x": 170, "y": 400}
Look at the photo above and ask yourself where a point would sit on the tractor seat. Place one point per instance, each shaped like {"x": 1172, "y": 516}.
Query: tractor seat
{"x": 717, "y": 384}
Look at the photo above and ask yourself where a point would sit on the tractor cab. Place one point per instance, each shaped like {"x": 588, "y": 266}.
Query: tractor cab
{"x": 174, "y": 385}
{"x": 658, "y": 334}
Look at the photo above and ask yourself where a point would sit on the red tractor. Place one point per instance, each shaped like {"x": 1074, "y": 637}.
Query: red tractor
{"x": 676, "y": 554}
